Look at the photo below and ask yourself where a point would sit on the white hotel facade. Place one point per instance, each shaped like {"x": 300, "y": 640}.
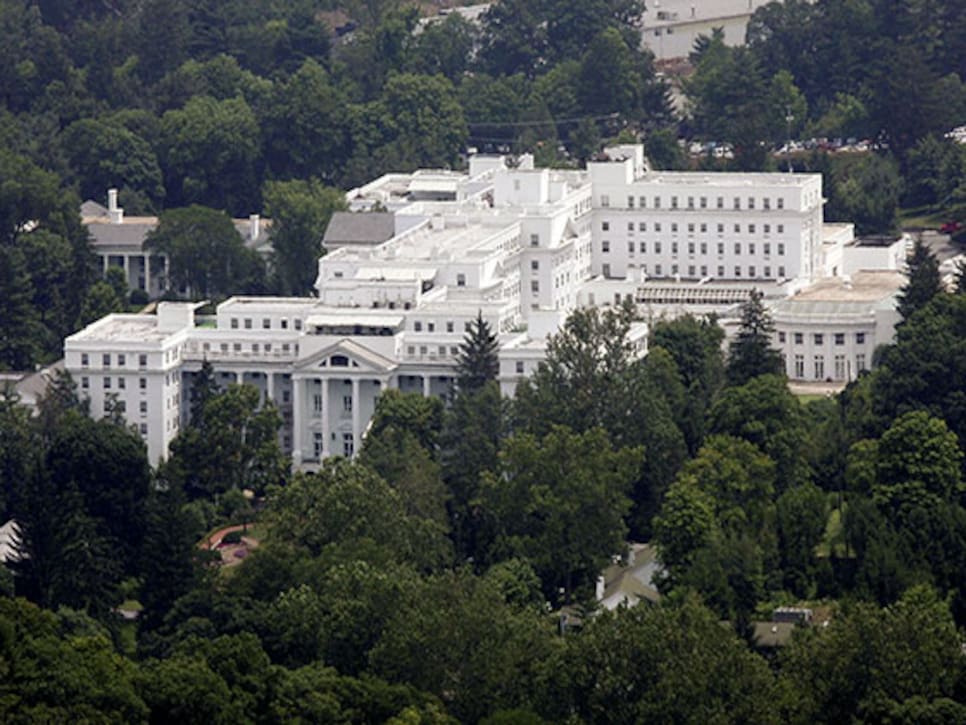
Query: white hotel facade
{"x": 519, "y": 245}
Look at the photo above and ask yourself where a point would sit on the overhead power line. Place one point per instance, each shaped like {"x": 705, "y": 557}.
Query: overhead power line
{"x": 555, "y": 121}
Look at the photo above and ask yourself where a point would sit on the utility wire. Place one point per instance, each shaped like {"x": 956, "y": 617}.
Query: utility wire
{"x": 555, "y": 121}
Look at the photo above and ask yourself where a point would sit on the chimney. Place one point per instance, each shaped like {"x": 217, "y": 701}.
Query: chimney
{"x": 113, "y": 210}
{"x": 254, "y": 226}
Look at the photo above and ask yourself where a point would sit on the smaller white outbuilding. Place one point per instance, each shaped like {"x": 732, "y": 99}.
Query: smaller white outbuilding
{"x": 829, "y": 331}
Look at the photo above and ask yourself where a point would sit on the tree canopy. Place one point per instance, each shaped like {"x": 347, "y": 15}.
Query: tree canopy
{"x": 206, "y": 253}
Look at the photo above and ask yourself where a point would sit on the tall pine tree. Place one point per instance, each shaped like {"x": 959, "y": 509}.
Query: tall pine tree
{"x": 204, "y": 387}
{"x": 960, "y": 278}
{"x": 924, "y": 280}
{"x": 477, "y": 362}
{"x": 19, "y": 326}
{"x": 750, "y": 353}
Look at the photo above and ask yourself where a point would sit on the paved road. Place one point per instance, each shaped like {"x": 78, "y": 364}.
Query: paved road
{"x": 212, "y": 542}
{"x": 941, "y": 245}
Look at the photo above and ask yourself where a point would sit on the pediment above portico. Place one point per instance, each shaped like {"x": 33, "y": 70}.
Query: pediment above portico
{"x": 348, "y": 356}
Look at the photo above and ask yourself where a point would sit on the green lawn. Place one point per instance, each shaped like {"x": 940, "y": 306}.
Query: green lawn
{"x": 806, "y": 398}
{"x": 922, "y": 217}
{"x": 257, "y": 530}
{"x": 128, "y": 638}
{"x": 832, "y": 540}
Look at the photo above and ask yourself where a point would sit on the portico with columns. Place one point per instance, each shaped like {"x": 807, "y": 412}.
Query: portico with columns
{"x": 334, "y": 393}
{"x": 119, "y": 240}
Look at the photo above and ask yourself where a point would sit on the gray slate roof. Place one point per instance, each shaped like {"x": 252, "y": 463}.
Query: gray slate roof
{"x": 130, "y": 234}
{"x": 359, "y": 228}
{"x": 90, "y": 209}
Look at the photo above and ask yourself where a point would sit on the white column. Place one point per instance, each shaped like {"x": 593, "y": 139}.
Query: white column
{"x": 239, "y": 377}
{"x": 298, "y": 423}
{"x": 147, "y": 274}
{"x": 427, "y": 380}
{"x": 356, "y": 418}
{"x": 326, "y": 413}
{"x": 269, "y": 386}
{"x": 105, "y": 264}
{"x": 127, "y": 269}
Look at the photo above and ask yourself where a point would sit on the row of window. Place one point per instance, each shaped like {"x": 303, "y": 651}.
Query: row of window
{"x": 121, "y": 406}
{"x": 839, "y": 370}
{"x": 431, "y": 326}
{"x": 317, "y": 404}
{"x": 107, "y": 382}
{"x": 696, "y": 272}
{"x": 255, "y": 348}
{"x": 819, "y": 338}
{"x": 701, "y": 248}
{"x": 441, "y": 350}
{"x": 121, "y": 360}
{"x": 691, "y": 227}
{"x": 348, "y": 444}
{"x": 702, "y": 202}
{"x": 247, "y": 323}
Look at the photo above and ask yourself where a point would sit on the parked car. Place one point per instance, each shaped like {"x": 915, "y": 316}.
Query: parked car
{"x": 950, "y": 227}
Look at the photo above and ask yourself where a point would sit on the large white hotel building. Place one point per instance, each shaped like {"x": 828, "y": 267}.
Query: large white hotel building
{"x": 522, "y": 246}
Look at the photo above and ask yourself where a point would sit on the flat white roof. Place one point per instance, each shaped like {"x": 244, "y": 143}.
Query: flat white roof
{"x": 251, "y": 302}
{"x": 679, "y": 12}
{"x": 868, "y": 286}
{"x": 122, "y": 328}
{"x": 396, "y": 274}
{"x": 457, "y": 238}
{"x": 725, "y": 178}
{"x": 400, "y": 184}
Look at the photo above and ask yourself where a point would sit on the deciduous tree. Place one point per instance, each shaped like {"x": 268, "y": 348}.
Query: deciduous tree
{"x": 346, "y": 506}
{"x": 236, "y": 447}
{"x": 104, "y": 154}
{"x": 205, "y": 252}
{"x": 560, "y": 502}
{"x": 209, "y": 153}
{"x": 695, "y": 346}
{"x": 456, "y": 637}
{"x": 300, "y": 212}
{"x": 918, "y": 464}
{"x": 474, "y": 426}
{"x": 674, "y": 661}
{"x": 53, "y": 674}
{"x": 802, "y": 516}
{"x": 876, "y": 661}
{"x": 582, "y": 382}
{"x": 306, "y": 130}
{"x": 513, "y": 38}
{"x": 866, "y": 191}
{"x": 108, "y": 465}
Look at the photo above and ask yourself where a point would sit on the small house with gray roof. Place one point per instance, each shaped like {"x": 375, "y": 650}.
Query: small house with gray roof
{"x": 119, "y": 241}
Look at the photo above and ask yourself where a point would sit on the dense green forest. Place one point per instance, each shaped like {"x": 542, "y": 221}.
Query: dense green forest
{"x": 424, "y": 580}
